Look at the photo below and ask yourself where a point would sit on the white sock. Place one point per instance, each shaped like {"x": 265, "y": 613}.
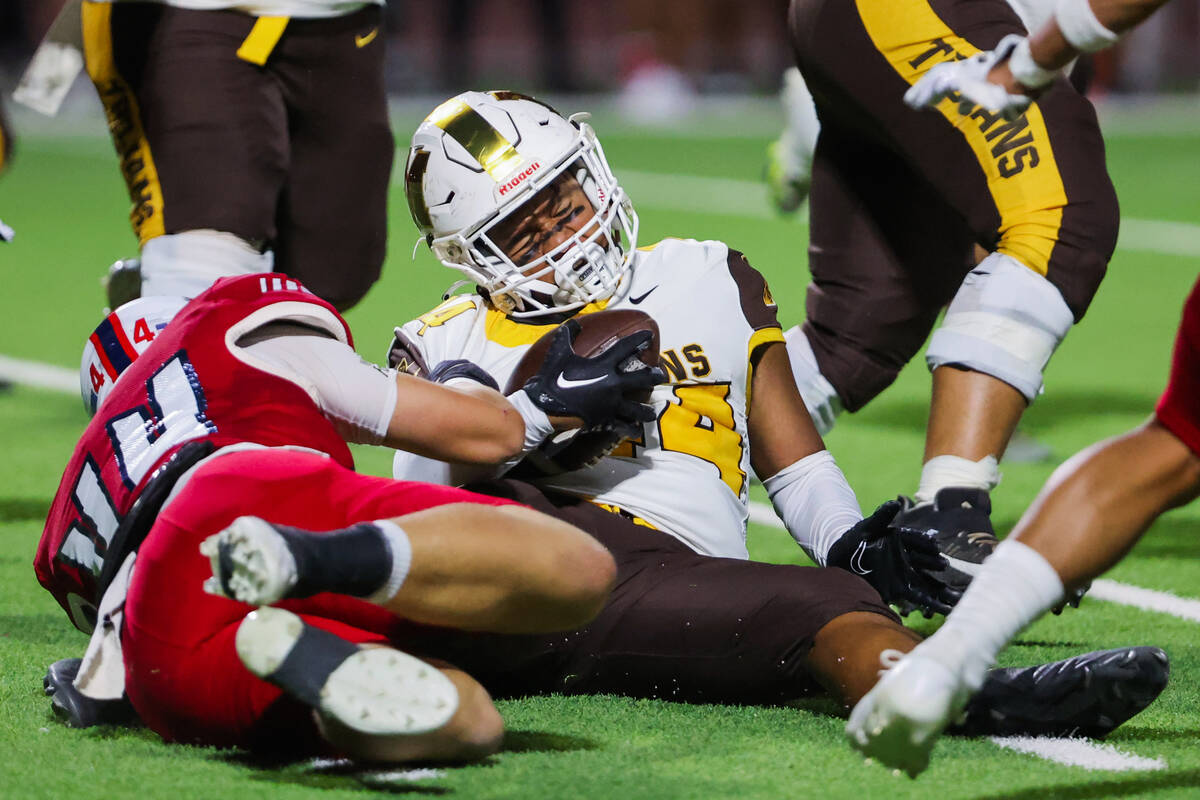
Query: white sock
{"x": 187, "y": 263}
{"x": 941, "y": 472}
{"x": 1015, "y": 587}
{"x": 401, "y": 549}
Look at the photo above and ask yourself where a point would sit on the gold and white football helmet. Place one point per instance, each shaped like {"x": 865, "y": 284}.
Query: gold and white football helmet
{"x": 480, "y": 161}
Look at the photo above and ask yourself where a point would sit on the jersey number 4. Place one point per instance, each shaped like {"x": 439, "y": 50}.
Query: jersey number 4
{"x": 174, "y": 413}
{"x": 701, "y": 425}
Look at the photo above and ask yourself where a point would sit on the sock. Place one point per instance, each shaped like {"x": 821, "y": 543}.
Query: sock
{"x": 1016, "y": 586}
{"x": 941, "y": 472}
{"x": 368, "y": 560}
{"x": 820, "y": 398}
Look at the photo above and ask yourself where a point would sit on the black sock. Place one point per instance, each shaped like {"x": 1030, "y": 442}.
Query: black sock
{"x": 355, "y": 561}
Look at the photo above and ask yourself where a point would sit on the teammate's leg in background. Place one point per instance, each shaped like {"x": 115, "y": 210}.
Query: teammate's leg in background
{"x": 789, "y": 158}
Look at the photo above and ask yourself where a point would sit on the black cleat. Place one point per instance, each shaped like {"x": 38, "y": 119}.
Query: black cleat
{"x": 77, "y": 709}
{"x": 959, "y": 519}
{"x": 1088, "y": 695}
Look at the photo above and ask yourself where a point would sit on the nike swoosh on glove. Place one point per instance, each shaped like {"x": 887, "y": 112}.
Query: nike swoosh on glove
{"x": 596, "y": 389}
{"x": 966, "y": 81}
{"x": 896, "y": 561}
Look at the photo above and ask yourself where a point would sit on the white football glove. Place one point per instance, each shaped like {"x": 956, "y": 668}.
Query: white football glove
{"x": 968, "y": 78}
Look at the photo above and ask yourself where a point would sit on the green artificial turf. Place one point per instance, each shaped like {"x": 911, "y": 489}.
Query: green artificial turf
{"x": 66, "y": 202}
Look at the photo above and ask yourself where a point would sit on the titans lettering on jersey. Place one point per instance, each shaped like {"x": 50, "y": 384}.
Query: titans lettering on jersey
{"x": 188, "y": 385}
{"x": 713, "y": 311}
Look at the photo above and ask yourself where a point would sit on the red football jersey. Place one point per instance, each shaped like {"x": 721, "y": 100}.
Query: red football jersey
{"x": 188, "y": 385}
{"x": 1179, "y": 407}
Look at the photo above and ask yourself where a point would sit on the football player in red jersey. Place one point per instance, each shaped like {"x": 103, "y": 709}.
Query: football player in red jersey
{"x": 1090, "y": 513}
{"x": 241, "y": 408}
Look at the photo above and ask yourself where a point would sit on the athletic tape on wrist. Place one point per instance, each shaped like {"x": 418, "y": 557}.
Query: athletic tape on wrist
{"x": 1026, "y": 71}
{"x": 401, "y": 550}
{"x": 537, "y": 425}
{"x": 1081, "y": 28}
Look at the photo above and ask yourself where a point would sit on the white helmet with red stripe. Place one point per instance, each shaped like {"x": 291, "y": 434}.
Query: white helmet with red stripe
{"x": 483, "y": 157}
{"x": 117, "y": 342}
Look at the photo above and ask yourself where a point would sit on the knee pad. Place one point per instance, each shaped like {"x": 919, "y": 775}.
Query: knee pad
{"x": 1005, "y": 321}
{"x": 188, "y": 263}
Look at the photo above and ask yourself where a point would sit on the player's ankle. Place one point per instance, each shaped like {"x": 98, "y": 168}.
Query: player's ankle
{"x": 941, "y": 472}
{"x": 368, "y": 560}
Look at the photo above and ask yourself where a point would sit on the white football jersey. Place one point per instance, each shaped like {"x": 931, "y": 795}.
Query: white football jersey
{"x": 687, "y": 474}
{"x": 300, "y": 9}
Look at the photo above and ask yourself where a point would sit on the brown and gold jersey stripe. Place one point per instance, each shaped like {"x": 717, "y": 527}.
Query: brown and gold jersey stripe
{"x": 496, "y": 155}
{"x": 1030, "y": 203}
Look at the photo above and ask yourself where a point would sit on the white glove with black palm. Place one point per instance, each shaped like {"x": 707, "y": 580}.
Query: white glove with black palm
{"x": 967, "y": 82}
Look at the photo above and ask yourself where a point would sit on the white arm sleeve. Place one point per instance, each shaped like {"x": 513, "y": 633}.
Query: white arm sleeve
{"x": 408, "y": 466}
{"x": 357, "y": 396}
{"x": 815, "y": 503}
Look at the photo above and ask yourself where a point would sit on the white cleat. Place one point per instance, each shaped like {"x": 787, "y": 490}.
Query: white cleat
{"x": 251, "y": 562}
{"x": 789, "y": 158}
{"x": 899, "y": 720}
{"x": 374, "y": 690}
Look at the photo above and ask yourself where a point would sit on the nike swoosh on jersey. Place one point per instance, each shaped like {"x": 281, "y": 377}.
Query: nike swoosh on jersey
{"x": 636, "y": 300}
{"x": 566, "y": 383}
{"x": 363, "y": 41}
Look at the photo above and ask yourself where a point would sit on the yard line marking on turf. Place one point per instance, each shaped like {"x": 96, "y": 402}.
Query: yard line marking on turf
{"x": 736, "y": 197}
{"x": 61, "y": 379}
{"x": 375, "y": 776}
{"x": 1146, "y": 599}
{"x": 1102, "y": 589}
{"x": 39, "y": 375}
{"x": 1080, "y": 753}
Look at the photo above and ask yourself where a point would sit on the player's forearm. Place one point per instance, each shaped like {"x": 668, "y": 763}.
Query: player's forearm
{"x": 467, "y": 423}
{"x": 1051, "y": 49}
{"x": 1096, "y": 505}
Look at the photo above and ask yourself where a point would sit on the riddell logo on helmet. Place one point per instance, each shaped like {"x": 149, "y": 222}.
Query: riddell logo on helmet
{"x": 519, "y": 178}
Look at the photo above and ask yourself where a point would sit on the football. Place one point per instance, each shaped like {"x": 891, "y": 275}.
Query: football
{"x": 571, "y": 450}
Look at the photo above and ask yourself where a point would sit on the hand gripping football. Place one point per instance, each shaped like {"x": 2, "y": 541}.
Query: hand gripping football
{"x": 571, "y": 450}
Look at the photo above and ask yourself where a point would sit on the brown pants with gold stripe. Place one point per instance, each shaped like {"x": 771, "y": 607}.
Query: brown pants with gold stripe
{"x": 901, "y": 197}
{"x": 678, "y": 625}
{"x": 272, "y": 129}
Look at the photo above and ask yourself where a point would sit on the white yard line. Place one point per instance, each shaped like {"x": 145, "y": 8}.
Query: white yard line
{"x": 1080, "y": 753}
{"x": 39, "y": 375}
{"x": 1102, "y": 589}
{"x": 734, "y": 197}
{"x": 747, "y": 199}
{"x": 1146, "y": 599}
{"x": 376, "y": 776}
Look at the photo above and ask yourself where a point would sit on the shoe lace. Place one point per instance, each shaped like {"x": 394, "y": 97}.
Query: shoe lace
{"x": 890, "y": 658}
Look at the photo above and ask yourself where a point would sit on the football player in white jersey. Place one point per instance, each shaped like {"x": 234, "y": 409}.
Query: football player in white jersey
{"x": 522, "y": 201}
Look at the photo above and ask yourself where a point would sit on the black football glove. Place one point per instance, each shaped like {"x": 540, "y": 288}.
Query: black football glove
{"x": 1072, "y": 598}
{"x": 595, "y": 389}
{"x": 461, "y": 368}
{"x": 896, "y": 561}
